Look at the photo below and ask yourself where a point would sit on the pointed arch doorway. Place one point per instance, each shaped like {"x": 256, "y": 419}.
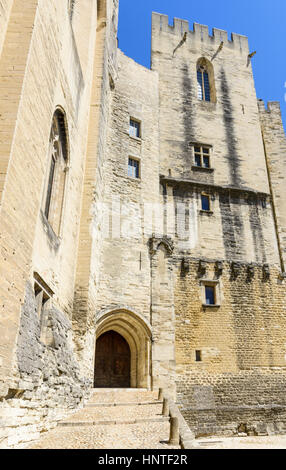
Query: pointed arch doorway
{"x": 112, "y": 361}
{"x": 123, "y": 345}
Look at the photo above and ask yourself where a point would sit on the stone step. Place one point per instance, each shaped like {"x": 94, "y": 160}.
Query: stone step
{"x": 93, "y": 405}
{"x": 130, "y": 413}
{"x": 127, "y": 395}
{"x": 111, "y": 422}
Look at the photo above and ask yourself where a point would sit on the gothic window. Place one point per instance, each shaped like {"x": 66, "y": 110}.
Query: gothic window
{"x": 205, "y": 81}
{"x": 203, "y": 84}
{"x": 56, "y": 178}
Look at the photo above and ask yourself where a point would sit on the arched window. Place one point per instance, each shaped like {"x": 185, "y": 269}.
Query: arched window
{"x": 58, "y": 160}
{"x": 205, "y": 81}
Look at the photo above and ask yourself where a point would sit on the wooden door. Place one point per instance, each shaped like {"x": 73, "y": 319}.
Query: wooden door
{"x": 112, "y": 361}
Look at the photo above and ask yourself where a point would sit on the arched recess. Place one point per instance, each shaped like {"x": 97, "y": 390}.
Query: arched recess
{"x": 58, "y": 160}
{"x": 206, "y": 80}
{"x": 137, "y": 332}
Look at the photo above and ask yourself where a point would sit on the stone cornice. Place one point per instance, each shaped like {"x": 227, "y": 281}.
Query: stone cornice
{"x": 219, "y": 188}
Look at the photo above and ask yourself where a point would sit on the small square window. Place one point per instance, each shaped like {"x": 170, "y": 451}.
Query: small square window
{"x": 133, "y": 168}
{"x": 205, "y": 202}
{"x": 210, "y": 295}
{"x": 134, "y": 129}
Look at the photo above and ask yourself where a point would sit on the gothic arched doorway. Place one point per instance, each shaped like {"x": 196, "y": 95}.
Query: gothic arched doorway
{"x": 112, "y": 361}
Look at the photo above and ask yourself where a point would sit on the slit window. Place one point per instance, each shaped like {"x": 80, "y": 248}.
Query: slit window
{"x": 133, "y": 168}
{"x": 198, "y": 356}
{"x": 135, "y": 129}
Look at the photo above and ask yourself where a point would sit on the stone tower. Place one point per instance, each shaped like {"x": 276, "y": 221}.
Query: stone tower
{"x": 141, "y": 221}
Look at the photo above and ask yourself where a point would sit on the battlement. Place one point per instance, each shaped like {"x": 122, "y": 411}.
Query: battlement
{"x": 160, "y": 23}
{"x": 271, "y": 107}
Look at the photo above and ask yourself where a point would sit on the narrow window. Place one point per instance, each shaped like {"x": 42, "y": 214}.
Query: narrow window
{"x": 55, "y": 185}
{"x": 205, "y": 80}
{"x": 206, "y": 157}
{"x": 133, "y": 168}
{"x": 50, "y": 187}
{"x": 198, "y": 356}
{"x": 205, "y": 202}
{"x": 134, "y": 129}
{"x": 210, "y": 295}
{"x": 203, "y": 84}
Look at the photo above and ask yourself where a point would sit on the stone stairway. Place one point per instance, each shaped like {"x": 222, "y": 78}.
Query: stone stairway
{"x": 112, "y": 419}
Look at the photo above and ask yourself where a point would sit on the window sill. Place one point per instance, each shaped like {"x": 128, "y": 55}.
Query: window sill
{"x": 132, "y": 178}
{"x": 137, "y": 139}
{"x": 211, "y": 305}
{"x": 202, "y": 168}
{"x": 208, "y": 105}
{"x": 206, "y": 212}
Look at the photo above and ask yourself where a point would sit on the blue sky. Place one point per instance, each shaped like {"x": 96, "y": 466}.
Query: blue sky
{"x": 263, "y": 21}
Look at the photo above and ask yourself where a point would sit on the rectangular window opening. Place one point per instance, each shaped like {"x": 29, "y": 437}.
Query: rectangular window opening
{"x": 210, "y": 295}
{"x": 135, "y": 129}
{"x": 205, "y": 202}
{"x": 198, "y": 356}
{"x": 202, "y": 156}
{"x": 133, "y": 168}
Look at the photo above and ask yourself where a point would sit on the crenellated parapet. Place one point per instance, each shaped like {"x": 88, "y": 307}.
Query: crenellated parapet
{"x": 160, "y": 24}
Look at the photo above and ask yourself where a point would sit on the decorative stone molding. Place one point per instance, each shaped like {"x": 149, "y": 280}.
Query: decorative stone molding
{"x": 202, "y": 267}
{"x": 235, "y": 268}
{"x": 266, "y": 271}
{"x": 219, "y": 268}
{"x": 185, "y": 266}
{"x": 250, "y": 271}
{"x": 155, "y": 242}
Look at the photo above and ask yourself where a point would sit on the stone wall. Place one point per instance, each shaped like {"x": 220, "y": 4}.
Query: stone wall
{"x": 39, "y": 378}
{"x": 275, "y": 152}
{"x": 241, "y": 376}
{"x": 50, "y": 385}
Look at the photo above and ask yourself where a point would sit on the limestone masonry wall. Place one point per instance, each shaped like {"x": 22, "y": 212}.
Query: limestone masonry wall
{"x": 143, "y": 228}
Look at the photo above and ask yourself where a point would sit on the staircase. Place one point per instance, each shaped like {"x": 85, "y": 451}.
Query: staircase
{"x": 112, "y": 419}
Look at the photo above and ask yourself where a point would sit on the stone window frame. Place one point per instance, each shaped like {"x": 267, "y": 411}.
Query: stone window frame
{"x": 201, "y": 145}
{"x": 137, "y": 159}
{"x": 216, "y": 285}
